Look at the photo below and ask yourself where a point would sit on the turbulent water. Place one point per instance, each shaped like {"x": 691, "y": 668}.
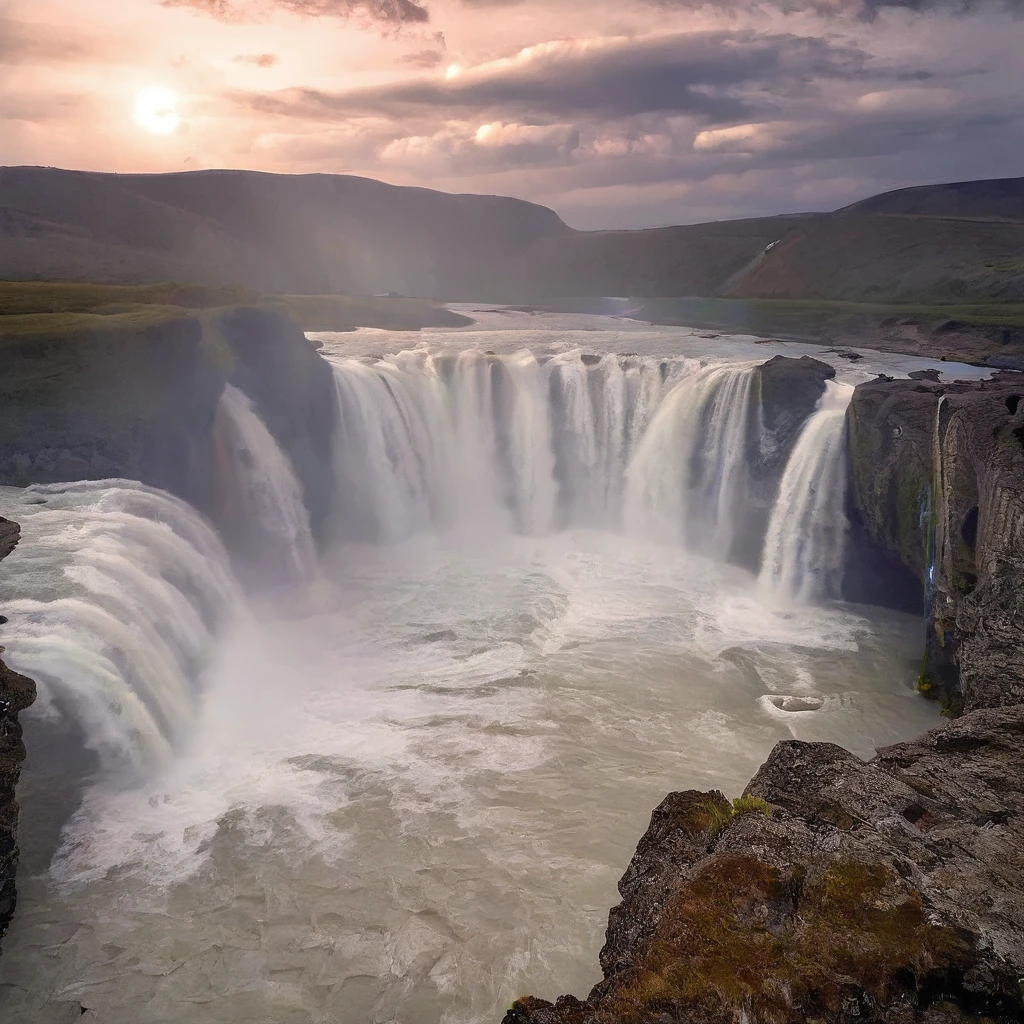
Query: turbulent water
{"x": 403, "y": 789}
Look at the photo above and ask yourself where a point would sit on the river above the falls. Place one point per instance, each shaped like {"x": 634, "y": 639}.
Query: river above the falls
{"x": 404, "y": 790}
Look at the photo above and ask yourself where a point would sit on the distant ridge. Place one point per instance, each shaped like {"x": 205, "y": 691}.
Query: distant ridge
{"x": 315, "y": 234}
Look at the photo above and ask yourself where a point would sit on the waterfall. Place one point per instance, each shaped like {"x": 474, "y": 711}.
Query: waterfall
{"x": 804, "y": 547}
{"x": 113, "y": 596}
{"x": 271, "y": 512}
{"x": 478, "y": 441}
{"x": 687, "y": 479}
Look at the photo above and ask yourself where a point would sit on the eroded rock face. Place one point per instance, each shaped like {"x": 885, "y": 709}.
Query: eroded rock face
{"x": 140, "y": 403}
{"x": 16, "y": 693}
{"x": 937, "y": 483}
{"x": 884, "y": 891}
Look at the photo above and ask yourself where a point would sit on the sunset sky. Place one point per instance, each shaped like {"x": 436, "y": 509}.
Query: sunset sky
{"x": 615, "y": 114}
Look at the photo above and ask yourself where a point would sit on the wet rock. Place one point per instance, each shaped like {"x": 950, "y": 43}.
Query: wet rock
{"x": 937, "y": 486}
{"x": 786, "y": 702}
{"x": 16, "y": 693}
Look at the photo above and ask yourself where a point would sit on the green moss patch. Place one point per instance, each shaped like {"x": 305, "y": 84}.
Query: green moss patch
{"x": 781, "y": 944}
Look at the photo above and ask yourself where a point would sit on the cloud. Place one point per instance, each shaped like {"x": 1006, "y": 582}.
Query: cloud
{"x": 259, "y": 60}
{"x": 23, "y": 42}
{"x": 387, "y": 11}
{"x": 858, "y": 9}
{"x": 718, "y": 76}
{"x": 462, "y": 149}
{"x": 422, "y": 58}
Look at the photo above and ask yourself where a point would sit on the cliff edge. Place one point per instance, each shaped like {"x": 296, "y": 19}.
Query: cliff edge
{"x": 16, "y": 693}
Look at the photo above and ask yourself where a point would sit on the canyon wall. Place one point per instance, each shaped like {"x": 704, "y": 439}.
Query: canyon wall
{"x": 16, "y": 693}
{"x": 937, "y": 484}
{"x": 110, "y": 398}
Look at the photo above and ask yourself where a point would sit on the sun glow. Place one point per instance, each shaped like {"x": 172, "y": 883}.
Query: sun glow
{"x": 156, "y": 110}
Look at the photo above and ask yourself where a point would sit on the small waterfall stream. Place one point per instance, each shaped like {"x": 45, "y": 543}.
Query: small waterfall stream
{"x": 270, "y": 505}
{"x": 803, "y": 551}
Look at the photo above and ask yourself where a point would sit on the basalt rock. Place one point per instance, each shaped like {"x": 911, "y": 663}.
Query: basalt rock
{"x": 836, "y": 891}
{"x": 937, "y": 486}
{"x": 16, "y": 693}
{"x": 140, "y": 402}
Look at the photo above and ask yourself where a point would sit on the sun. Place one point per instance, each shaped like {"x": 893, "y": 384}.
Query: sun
{"x": 156, "y": 110}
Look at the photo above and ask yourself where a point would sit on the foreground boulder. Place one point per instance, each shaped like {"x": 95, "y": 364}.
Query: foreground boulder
{"x": 836, "y": 890}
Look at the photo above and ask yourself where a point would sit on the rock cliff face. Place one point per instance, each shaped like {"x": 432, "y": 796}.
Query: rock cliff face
{"x": 837, "y": 890}
{"x": 16, "y": 693}
{"x": 140, "y": 402}
{"x": 937, "y": 483}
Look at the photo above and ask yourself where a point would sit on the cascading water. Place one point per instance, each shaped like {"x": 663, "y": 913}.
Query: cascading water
{"x": 686, "y": 481}
{"x": 804, "y": 547}
{"x": 113, "y": 597}
{"x": 391, "y": 804}
{"x": 437, "y": 440}
{"x": 271, "y": 510}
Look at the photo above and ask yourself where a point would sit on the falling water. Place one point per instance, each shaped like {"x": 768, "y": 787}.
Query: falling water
{"x": 271, "y": 510}
{"x": 687, "y": 479}
{"x": 113, "y": 596}
{"x": 433, "y": 440}
{"x": 803, "y": 552}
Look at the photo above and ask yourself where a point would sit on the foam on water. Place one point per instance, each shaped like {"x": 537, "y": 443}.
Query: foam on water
{"x": 411, "y": 800}
{"x": 113, "y": 597}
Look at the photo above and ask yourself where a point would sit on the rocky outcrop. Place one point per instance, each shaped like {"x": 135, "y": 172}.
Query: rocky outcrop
{"x": 139, "y": 399}
{"x": 16, "y": 693}
{"x": 937, "y": 484}
{"x": 836, "y": 890}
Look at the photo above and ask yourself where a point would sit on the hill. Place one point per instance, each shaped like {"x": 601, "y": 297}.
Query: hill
{"x": 309, "y": 234}
{"x": 337, "y": 234}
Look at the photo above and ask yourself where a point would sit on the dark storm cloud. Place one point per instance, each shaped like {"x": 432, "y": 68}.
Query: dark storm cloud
{"x": 699, "y": 74}
{"x": 387, "y": 11}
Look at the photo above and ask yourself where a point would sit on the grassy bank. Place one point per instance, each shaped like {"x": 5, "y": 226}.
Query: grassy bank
{"x": 969, "y": 333}
{"x": 56, "y": 308}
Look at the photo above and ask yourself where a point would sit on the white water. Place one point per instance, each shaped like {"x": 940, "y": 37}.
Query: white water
{"x": 113, "y": 599}
{"x": 409, "y": 799}
{"x": 431, "y": 440}
{"x": 268, "y": 494}
{"x": 805, "y": 544}
{"x": 686, "y": 482}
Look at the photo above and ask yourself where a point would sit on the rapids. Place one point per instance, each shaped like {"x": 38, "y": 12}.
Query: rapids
{"x": 401, "y": 784}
